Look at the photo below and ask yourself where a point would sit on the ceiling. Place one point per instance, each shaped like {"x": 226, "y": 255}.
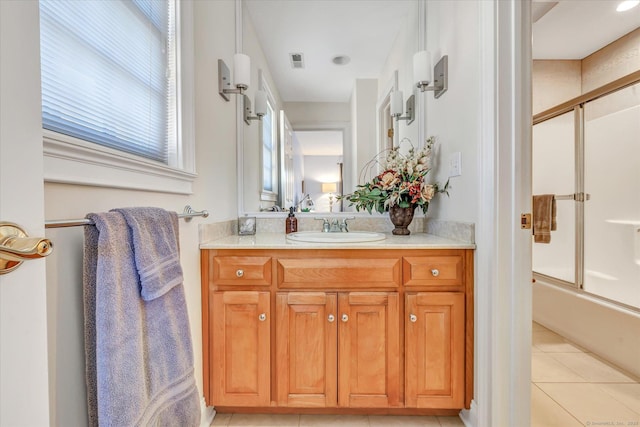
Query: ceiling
{"x": 573, "y": 29}
{"x": 364, "y": 30}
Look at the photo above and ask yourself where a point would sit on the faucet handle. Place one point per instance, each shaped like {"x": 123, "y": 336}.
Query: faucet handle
{"x": 344, "y": 225}
{"x": 325, "y": 224}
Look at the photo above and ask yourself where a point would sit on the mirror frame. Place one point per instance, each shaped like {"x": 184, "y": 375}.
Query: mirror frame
{"x": 420, "y": 120}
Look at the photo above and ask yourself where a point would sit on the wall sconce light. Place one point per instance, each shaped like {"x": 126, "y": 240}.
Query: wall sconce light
{"x": 397, "y": 110}
{"x": 261, "y": 106}
{"x": 241, "y": 75}
{"x": 422, "y": 73}
{"x": 329, "y": 187}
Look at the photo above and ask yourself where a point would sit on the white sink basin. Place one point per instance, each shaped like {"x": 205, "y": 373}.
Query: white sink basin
{"x": 320, "y": 237}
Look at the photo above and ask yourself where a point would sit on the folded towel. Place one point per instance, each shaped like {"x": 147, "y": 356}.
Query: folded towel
{"x": 156, "y": 249}
{"x": 544, "y": 217}
{"x": 139, "y": 353}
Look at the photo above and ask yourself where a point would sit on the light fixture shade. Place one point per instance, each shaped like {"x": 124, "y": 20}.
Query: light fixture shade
{"x": 329, "y": 187}
{"x": 396, "y": 103}
{"x": 241, "y": 70}
{"x": 422, "y": 67}
{"x": 261, "y": 103}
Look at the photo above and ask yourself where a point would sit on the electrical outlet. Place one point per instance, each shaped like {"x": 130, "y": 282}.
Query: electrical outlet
{"x": 455, "y": 164}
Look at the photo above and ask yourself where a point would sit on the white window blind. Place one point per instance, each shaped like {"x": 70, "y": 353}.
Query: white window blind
{"x": 109, "y": 73}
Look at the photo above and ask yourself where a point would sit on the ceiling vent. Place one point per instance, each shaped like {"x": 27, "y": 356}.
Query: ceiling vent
{"x": 297, "y": 60}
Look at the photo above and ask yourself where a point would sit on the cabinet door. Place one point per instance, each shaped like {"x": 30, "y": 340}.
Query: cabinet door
{"x": 306, "y": 349}
{"x": 434, "y": 356}
{"x": 368, "y": 350}
{"x": 240, "y": 364}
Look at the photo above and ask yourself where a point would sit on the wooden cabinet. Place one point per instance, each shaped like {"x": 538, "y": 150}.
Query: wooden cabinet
{"x": 368, "y": 350}
{"x": 306, "y": 349}
{"x": 434, "y": 357}
{"x": 240, "y": 356}
{"x": 334, "y": 330}
{"x": 345, "y": 354}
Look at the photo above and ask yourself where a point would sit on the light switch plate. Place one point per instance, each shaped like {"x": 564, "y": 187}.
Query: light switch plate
{"x": 455, "y": 164}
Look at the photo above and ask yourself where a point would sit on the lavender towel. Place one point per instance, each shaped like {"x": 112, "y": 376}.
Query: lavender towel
{"x": 155, "y": 241}
{"x": 139, "y": 353}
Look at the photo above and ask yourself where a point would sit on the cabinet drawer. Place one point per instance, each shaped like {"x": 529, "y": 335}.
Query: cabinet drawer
{"x": 316, "y": 273}
{"x": 433, "y": 271}
{"x": 242, "y": 271}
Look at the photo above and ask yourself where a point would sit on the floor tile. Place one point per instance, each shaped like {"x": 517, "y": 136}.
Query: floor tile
{"x": 590, "y": 404}
{"x": 551, "y": 342}
{"x": 334, "y": 420}
{"x": 264, "y": 420}
{"x": 591, "y": 368}
{"x": 450, "y": 422}
{"x": 545, "y": 412}
{"x": 404, "y": 421}
{"x": 221, "y": 419}
{"x": 537, "y": 327}
{"x": 627, "y": 394}
{"x": 545, "y": 368}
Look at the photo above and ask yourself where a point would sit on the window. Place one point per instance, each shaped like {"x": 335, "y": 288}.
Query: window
{"x": 110, "y": 81}
{"x": 269, "y": 137}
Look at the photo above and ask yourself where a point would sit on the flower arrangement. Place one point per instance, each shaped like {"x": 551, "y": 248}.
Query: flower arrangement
{"x": 402, "y": 182}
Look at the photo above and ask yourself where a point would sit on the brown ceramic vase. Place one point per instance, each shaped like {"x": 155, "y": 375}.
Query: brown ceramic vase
{"x": 401, "y": 218}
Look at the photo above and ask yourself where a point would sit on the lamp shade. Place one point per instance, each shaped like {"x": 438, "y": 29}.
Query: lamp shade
{"x": 261, "y": 103}
{"x": 422, "y": 67}
{"x": 396, "y": 103}
{"x": 241, "y": 70}
{"x": 329, "y": 187}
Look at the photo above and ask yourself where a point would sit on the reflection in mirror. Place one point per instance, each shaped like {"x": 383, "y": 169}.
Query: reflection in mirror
{"x": 328, "y": 68}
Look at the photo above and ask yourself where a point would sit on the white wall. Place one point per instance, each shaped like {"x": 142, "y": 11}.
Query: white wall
{"x": 401, "y": 59}
{"x": 214, "y": 190}
{"x": 363, "y": 126}
{"x": 319, "y": 169}
{"x": 454, "y": 117}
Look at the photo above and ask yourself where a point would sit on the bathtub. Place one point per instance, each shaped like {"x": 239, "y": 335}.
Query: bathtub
{"x": 609, "y": 330}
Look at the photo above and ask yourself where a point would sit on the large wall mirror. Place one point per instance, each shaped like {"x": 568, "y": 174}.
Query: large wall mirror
{"x": 327, "y": 67}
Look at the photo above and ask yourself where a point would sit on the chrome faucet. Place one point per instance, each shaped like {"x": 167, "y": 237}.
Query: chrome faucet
{"x": 335, "y": 226}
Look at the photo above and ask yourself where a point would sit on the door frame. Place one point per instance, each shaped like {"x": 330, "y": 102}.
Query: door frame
{"x": 24, "y": 389}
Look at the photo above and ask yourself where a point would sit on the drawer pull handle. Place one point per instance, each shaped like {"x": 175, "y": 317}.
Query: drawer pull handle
{"x": 345, "y": 317}
{"x": 435, "y": 272}
{"x": 331, "y": 318}
{"x": 239, "y": 273}
{"x": 262, "y": 317}
{"x": 413, "y": 318}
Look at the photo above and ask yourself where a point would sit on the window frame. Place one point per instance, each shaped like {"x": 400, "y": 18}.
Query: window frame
{"x": 72, "y": 160}
{"x": 266, "y": 195}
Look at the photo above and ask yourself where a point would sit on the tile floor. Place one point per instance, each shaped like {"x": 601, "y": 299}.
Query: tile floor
{"x": 572, "y": 387}
{"x": 246, "y": 420}
{"x": 569, "y": 387}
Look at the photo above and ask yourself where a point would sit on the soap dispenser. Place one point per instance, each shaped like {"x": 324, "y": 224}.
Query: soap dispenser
{"x": 291, "y": 223}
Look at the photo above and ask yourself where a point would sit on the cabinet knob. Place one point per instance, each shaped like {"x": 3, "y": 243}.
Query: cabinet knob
{"x": 239, "y": 273}
{"x": 262, "y": 317}
{"x": 413, "y": 318}
{"x": 344, "y": 317}
{"x": 331, "y": 318}
{"x": 435, "y": 272}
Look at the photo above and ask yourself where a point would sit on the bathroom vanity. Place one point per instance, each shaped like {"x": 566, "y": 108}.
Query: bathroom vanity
{"x": 376, "y": 327}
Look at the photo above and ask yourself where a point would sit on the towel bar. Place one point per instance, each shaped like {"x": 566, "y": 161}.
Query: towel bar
{"x": 187, "y": 214}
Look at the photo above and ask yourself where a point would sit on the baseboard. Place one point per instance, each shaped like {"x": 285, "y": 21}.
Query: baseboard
{"x": 206, "y": 414}
{"x": 470, "y": 416}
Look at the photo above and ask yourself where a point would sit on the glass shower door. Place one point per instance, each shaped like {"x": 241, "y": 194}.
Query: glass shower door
{"x": 612, "y": 179}
{"x": 554, "y": 173}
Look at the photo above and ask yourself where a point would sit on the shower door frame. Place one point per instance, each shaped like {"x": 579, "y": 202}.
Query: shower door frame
{"x": 579, "y": 196}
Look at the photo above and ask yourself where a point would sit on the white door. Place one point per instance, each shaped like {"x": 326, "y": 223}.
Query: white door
{"x": 24, "y": 389}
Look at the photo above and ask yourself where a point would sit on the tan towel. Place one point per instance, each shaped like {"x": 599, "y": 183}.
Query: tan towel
{"x": 544, "y": 217}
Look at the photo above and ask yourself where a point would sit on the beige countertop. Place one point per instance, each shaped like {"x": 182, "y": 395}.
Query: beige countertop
{"x": 279, "y": 241}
